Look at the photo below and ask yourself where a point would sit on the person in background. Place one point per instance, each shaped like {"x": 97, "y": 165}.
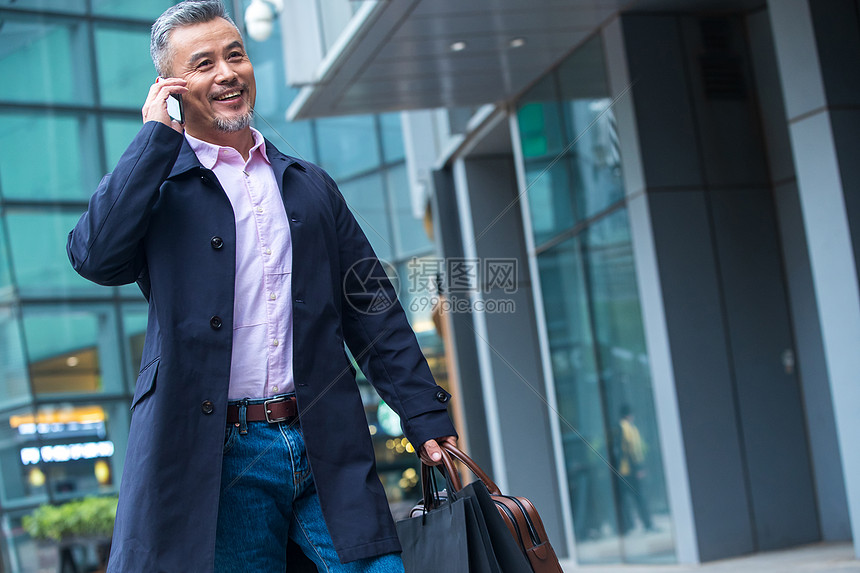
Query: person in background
{"x": 631, "y": 467}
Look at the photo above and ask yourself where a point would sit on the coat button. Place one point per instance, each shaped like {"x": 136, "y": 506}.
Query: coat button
{"x": 207, "y": 407}
{"x": 204, "y": 179}
{"x": 441, "y": 396}
{"x": 217, "y": 242}
{"x": 215, "y": 322}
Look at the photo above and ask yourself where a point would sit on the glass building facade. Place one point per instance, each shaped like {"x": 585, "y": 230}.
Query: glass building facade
{"x": 594, "y": 326}
{"x": 69, "y": 349}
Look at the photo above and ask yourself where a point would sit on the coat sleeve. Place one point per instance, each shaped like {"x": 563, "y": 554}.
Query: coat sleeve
{"x": 105, "y": 245}
{"x": 380, "y": 338}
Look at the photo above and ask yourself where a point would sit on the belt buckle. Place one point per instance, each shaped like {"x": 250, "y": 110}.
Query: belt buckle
{"x": 266, "y": 407}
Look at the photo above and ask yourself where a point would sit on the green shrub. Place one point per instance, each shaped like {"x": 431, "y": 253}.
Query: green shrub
{"x": 88, "y": 517}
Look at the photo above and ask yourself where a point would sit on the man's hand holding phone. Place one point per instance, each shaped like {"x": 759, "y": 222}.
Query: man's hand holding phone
{"x": 158, "y": 108}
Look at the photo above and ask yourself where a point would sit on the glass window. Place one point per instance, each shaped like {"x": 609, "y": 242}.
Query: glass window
{"x": 14, "y": 384}
{"x": 118, "y": 133}
{"x": 73, "y": 349}
{"x": 134, "y": 327}
{"x": 20, "y": 482}
{"x": 550, "y": 201}
{"x": 411, "y": 232}
{"x": 580, "y": 402}
{"x": 392, "y": 137}
{"x": 643, "y": 505}
{"x": 274, "y": 95}
{"x": 7, "y": 290}
{"x": 367, "y": 202}
{"x": 67, "y": 165}
{"x": 594, "y": 321}
{"x": 72, "y": 6}
{"x": 347, "y": 145}
{"x": 594, "y": 160}
{"x": 39, "y": 260}
{"x": 52, "y": 54}
{"x": 65, "y": 451}
{"x": 125, "y": 68}
{"x": 149, "y": 10}
{"x": 291, "y": 138}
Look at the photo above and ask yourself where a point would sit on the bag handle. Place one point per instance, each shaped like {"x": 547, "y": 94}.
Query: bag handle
{"x": 449, "y": 450}
{"x": 428, "y": 482}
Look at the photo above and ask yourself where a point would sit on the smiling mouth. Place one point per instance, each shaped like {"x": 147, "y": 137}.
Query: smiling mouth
{"x": 229, "y": 96}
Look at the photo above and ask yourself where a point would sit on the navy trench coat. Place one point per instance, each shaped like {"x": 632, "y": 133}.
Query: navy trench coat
{"x": 163, "y": 221}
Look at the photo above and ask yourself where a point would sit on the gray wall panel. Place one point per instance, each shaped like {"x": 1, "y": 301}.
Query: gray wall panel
{"x": 769, "y": 399}
{"x": 703, "y": 377}
{"x": 665, "y": 118}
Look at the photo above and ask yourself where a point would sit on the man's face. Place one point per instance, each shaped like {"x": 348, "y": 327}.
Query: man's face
{"x": 211, "y": 58}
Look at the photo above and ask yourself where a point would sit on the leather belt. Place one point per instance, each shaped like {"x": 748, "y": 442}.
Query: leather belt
{"x": 272, "y": 411}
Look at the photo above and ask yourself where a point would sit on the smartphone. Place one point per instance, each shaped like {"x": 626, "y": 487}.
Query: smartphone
{"x": 174, "y": 108}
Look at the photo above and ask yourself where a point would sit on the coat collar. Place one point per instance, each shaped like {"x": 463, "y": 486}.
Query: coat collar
{"x": 188, "y": 161}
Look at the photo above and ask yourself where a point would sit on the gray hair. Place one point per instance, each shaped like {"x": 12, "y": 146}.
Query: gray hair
{"x": 183, "y": 14}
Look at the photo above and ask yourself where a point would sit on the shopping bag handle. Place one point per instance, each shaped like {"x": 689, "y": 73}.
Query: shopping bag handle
{"x": 454, "y": 451}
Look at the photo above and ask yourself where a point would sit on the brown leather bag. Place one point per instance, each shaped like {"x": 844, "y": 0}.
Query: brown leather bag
{"x": 518, "y": 513}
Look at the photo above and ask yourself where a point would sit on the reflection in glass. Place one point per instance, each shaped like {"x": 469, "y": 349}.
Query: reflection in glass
{"x": 47, "y": 53}
{"x": 14, "y": 384}
{"x": 594, "y": 323}
{"x": 6, "y": 288}
{"x": 19, "y": 482}
{"x": 149, "y": 10}
{"x": 348, "y": 145}
{"x": 125, "y": 70}
{"x": 411, "y": 232}
{"x": 72, "y": 6}
{"x": 67, "y": 171}
{"x": 38, "y": 241}
{"x": 134, "y": 327}
{"x": 392, "y": 137}
{"x": 72, "y": 349}
{"x": 366, "y": 200}
{"x": 118, "y": 133}
{"x": 580, "y": 402}
{"x": 644, "y": 509}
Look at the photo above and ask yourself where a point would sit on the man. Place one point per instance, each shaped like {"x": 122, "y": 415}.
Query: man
{"x": 256, "y": 273}
{"x": 631, "y": 467}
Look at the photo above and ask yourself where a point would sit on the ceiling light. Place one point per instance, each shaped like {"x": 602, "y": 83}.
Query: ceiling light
{"x": 458, "y": 46}
{"x": 72, "y": 361}
{"x": 518, "y": 42}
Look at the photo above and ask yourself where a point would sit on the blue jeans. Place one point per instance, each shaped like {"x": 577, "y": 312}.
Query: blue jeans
{"x": 267, "y": 496}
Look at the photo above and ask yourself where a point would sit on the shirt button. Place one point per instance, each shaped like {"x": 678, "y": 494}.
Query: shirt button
{"x": 275, "y": 342}
{"x": 259, "y": 209}
{"x": 268, "y": 251}
{"x": 216, "y": 242}
{"x": 441, "y": 396}
{"x": 273, "y": 296}
{"x": 274, "y": 388}
{"x": 207, "y": 407}
{"x": 215, "y": 322}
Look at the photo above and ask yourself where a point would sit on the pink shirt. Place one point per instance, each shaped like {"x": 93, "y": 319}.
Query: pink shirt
{"x": 262, "y": 361}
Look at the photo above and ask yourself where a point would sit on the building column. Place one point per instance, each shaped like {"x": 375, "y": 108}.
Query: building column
{"x": 818, "y": 50}
{"x": 496, "y": 318}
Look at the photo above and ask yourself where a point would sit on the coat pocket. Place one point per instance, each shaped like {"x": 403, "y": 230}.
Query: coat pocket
{"x": 145, "y": 384}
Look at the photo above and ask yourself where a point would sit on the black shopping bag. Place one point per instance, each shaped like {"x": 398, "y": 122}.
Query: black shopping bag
{"x": 504, "y": 548}
{"x": 489, "y": 546}
{"x": 435, "y": 541}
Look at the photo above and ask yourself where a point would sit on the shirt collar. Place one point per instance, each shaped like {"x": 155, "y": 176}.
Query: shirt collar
{"x": 207, "y": 152}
